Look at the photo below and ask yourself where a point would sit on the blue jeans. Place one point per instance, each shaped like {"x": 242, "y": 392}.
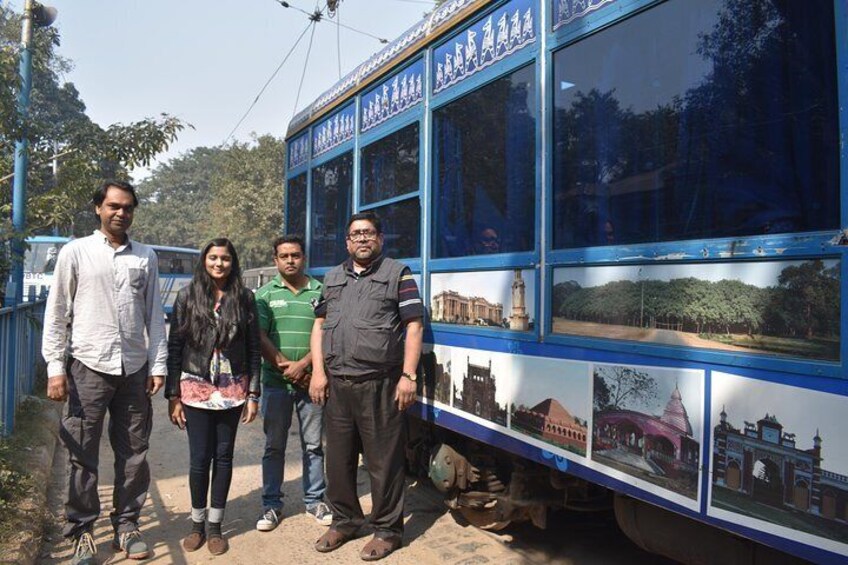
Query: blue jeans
{"x": 277, "y": 406}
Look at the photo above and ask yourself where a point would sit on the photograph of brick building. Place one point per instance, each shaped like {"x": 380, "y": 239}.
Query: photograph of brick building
{"x": 551, "y": 401}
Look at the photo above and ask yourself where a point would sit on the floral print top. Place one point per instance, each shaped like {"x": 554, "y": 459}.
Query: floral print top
{"x": 222, "y": 391}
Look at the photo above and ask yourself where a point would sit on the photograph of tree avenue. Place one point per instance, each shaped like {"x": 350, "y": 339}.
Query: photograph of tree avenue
{"x": 436, "y": 368}
{"x": 786, "y": 308}
{"x": 647, "y": 422}
{"x": 482, "y": 383}
{"x": 779, "y": 456}
{"x": 503, "y": 299}
{"x": 551, "y": 401}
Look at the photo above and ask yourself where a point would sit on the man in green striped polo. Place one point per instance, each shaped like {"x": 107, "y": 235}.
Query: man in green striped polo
{"x": 286, "y": 317}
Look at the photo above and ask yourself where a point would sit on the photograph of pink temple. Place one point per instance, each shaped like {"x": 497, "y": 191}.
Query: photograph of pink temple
{"x": 762, "y": 469}
{"x": 642, "y": 427}
{"x": 501, "y": 299}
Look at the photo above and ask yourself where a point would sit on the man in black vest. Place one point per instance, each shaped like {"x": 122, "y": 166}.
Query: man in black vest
{"x": 364, "y": 370}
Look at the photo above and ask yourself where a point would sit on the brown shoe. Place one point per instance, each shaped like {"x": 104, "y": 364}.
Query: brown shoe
{"x": 378, "y": 548}
{"x": 331, "y": 541}
{"x": 194, "y": 541}
{"x": 217, "y": 544}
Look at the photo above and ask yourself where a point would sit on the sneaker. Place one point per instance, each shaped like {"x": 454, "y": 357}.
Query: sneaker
{"x": 269, "y": 520}
{"x": 84, "y": 550}
{"x": 132, "y": 543}
{"x": 321, "y": 513}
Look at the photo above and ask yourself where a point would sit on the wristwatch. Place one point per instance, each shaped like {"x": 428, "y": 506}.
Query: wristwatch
{"x": 413, "y": 377}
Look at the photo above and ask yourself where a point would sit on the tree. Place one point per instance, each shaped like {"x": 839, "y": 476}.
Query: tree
{"x": 247, "y": 198}
{"x": 627, "y": 386}
{"x": 59, "y": 129}
{"x": 176, "y": 199}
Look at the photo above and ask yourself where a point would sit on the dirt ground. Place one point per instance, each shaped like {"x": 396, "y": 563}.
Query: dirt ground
{"x": 432, "y": 536}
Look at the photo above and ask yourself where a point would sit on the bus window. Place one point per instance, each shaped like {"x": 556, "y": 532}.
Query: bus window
{"x": 331, "y": 186}
{"x": 671, "y": 126}
{"x": 485, "y": 167}
{"x": 401, "y": 228}
{"x": 41, "y": 258}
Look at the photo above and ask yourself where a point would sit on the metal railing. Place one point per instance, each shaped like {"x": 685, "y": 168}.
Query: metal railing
{"x": 20, "y": 349}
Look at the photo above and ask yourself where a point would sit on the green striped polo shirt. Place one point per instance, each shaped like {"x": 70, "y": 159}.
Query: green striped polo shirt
{"x": 286, "y": 318}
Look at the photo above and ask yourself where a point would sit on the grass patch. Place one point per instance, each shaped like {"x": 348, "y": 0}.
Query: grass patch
{"x": 19, "y": 505}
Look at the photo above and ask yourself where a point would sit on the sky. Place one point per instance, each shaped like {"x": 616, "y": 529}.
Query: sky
{"x": 758, "y": 273}
{"x": 205, "y": 61}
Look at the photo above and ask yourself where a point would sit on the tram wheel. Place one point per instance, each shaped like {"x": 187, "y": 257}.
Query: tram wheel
{"x": 484, "y": 518}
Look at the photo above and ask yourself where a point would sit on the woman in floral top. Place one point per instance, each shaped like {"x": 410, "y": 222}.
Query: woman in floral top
{"x": 213, "y": 381}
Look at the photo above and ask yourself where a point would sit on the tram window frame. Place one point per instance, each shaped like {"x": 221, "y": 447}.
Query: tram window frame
{"x": 560, "y": 249}
{"x": 296, "y": 178}
{"x": 470, "y": 256}
{"x": 316, "y": 260}
{"x": 375, "y": 136}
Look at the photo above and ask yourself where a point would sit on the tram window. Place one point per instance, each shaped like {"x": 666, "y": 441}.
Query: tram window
{"x": 401, "y": 228}
{"x": 696, "y": 120}
{"x": 331, "y": 186}
{"x": 485, "y": 161}
{"x": 390, "y": 166}
{"x": 296, "y": 222}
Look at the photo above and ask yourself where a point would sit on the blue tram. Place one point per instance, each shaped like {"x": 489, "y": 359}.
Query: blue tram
{"x": 626, "y": 217}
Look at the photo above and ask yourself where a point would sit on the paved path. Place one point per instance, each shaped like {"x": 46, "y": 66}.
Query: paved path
{"x": 432, "y": 534}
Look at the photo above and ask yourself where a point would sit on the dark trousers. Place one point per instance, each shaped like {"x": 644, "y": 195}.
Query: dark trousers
{"x": 366, "y": 414}
{"x": 90, "y": 395}
{"x": 211, "y": 442}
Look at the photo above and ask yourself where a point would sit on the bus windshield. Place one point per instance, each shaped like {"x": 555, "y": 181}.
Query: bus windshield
{"x": 41, "y": 257}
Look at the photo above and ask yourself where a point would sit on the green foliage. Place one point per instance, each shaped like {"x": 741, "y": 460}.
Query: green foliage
{"x": 58, "y": 128}
{"x": 623, "y": 387}
{"x": 236, "y": 192}
{"x": 804, "y": 304}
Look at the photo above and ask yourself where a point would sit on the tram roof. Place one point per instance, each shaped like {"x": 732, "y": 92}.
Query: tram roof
{"x": 437, "y": 23}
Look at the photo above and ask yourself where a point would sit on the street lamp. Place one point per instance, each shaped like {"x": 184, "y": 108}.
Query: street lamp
{"x": 40, "y": 16}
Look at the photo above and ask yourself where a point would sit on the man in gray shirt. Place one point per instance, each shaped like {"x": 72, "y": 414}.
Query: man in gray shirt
{"x": 105, "y": 347}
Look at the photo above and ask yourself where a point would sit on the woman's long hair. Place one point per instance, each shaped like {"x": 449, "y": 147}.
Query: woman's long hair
{"x": 200, "y": 306}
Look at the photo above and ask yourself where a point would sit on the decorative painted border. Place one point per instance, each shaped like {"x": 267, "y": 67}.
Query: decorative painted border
{"x": 334, "y": 130}
{"x": 567, "y": 11}
{"x": 395, "y": 95}
{"x": 298, "y": 150}
{"x": 504, "y": 32}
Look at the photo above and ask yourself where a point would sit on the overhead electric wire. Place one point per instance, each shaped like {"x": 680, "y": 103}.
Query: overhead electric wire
{"x": 305, "y": 65}
{"x": 339, "y": 40}
{"x": 274, "y": 74}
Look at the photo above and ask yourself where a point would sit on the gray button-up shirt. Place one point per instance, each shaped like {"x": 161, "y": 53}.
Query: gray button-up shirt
{"x": 104, "y": 308}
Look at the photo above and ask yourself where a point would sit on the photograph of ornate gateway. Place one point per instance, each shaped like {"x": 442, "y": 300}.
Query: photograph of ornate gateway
{"x": 763, "y": 463}
{"x": 479, "y": 387}
{"x": 628, "y": 436}
{"x": 551, "y": 422}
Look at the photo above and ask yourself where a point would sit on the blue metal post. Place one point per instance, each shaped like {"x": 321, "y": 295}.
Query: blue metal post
{"x": 14, "y": 291}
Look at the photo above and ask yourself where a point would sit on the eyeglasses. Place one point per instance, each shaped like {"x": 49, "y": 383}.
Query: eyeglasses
{"x": 362, "y": 235}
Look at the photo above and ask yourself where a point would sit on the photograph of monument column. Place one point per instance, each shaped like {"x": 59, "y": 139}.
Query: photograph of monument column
{"x": 498, "y": 299}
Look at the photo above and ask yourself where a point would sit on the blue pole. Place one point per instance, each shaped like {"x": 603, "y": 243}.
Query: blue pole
{"x": 14, "y": 291}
